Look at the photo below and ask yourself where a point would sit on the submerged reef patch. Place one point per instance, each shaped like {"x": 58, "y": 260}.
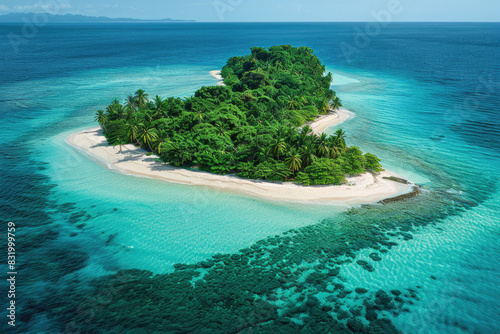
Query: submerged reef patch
{"x": 288, "y": 283}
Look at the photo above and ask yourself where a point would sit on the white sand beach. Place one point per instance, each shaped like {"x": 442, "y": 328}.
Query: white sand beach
{"x": 338, "y": 116}
{"x": 217, "y": 75}
{"x": 361, "y": 189}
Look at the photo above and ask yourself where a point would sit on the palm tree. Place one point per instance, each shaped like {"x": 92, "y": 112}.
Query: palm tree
{"x": 325, "y": 108}
{"x": 162, "y": 141}
{"x": 322, "y": 143}
{"x": 329, "y": 78}
{"x": 158, "y": 102}
{"x": 330, "y": 95}
{"x": 339, "y": 139}
{"x": 141, "y": 98}
{"x": 304, "y": 135}
{"x": 293, "y": 161}
{"x": 278, "y": 148}
{"x": 306, "y": 130}
{"x": 148, "y": 117}
{"x": 131, "y": 103}
{"x": 119, "y": 142}
{"x": 307, "y": 156}
{"x": 118, "y": 137}
{"x": 333, "y": 152}
{"x": 101, "y": 118}
{"x": 115, "y": 110}
{"x": 157, "y": 145}
{"x": 132, "y": 116}
{"x": 120, "y": 111}
{"x": 336, "y": 103}
{"x": 148, "y": 136}
{"x": 294, "y": 104}
{"x": 133, "y": 131}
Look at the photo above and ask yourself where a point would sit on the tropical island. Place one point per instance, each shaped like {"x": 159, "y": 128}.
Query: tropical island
{"x": 258, "y": 124}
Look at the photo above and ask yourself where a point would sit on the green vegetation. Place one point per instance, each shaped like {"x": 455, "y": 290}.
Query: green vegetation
{"x": 253, "y": 126}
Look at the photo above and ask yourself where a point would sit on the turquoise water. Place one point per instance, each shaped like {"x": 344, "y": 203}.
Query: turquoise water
{"x": 420, "y": 102}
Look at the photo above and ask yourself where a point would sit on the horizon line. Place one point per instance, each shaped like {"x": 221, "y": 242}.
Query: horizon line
{"x": 166, "y": 20}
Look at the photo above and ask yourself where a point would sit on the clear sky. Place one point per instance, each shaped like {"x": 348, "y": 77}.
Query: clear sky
{"x": 268, "y": 10}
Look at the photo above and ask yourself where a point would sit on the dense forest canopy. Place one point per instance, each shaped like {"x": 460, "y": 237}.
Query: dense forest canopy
{"x": 252, "y": 126}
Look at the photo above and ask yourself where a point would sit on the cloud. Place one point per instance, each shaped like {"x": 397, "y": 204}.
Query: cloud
{"x": 43, "y": 8}
{"x": 4, "y": 8}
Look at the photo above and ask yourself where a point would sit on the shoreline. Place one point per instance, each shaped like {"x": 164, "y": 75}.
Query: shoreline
{"x": 217, "y": 75}
{"x": 362, "y": 189}
{"x": 335, "y": 117}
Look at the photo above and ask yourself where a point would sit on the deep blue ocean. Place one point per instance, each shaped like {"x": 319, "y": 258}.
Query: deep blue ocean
{"x": 425, "y": 98}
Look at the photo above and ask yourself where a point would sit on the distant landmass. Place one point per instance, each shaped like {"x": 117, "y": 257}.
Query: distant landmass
{"x": 70, "y": 18}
